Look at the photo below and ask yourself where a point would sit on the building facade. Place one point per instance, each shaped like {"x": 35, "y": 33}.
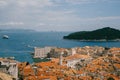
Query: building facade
{"x": 77, "y": 58}
{"x": 10, "y": 67}
{"x": 42, "y": 52}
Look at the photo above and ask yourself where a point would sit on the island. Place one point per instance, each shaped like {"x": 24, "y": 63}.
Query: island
{"x": 103, "y": 34}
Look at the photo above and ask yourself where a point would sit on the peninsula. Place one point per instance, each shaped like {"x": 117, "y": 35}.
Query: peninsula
{"x": 103, "y": 34}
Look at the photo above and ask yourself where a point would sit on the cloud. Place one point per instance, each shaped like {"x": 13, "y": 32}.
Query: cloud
{"x": 68, "y": 20}
{"x": 88, "y": 1}
{"x": 81, "y": 1}
{"x": 34, "y": 3}
{"x": 27, "y": 3}
{"x": 71, "y": 16}
{"x": 108, "y": 18}
{"x": 56, "y": 14}
{"x": 3, "y": 3}
{"x": 11, "y": 24}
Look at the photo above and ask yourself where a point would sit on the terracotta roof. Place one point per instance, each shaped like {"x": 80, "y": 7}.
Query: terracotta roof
{"x": 117, "y": 65}
{"x": 60, "y": 49}
{"x": 46, "y": 64}
{"x": 30, "y": 78}
{"x": 114, "y": 49}
{"x": 85, "y": 78}
{"x": 76, "y": 56}
{"x": 113, "y": 76}
{"x": 41, "y": 78}
{"x": 47, "y": 77}
{"x": 27, "y": 71}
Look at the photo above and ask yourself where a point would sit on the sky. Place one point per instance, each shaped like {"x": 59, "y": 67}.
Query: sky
{"x": 59, "y": 15}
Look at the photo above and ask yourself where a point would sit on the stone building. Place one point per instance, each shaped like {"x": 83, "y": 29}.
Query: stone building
{"x": 42, "y": 52}
{"x": 9, "y": 66}
{"x": 77, "y": 58}
{"x": 72, "y": 51}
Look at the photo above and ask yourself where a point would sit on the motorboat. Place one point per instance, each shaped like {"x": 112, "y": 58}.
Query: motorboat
{"x": 5, "y": 37}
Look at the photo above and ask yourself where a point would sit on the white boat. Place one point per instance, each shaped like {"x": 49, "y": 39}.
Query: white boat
{"x": 5, "y": 36}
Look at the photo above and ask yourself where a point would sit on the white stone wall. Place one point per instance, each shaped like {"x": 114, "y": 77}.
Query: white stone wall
{"x": 42, "y": 52}
{"x": 71, "y": 63}
{"x": 13, "y": 70}
{"x": 6, "y": 62}
{"x": 39, "y": 53}
{"x": 73, "y": 51}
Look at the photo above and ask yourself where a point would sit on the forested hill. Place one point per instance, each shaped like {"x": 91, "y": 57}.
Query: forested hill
{"x": 106, "y": 33}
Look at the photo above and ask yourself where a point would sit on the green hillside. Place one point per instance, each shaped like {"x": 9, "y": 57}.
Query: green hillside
{"x": 106, "y": 33}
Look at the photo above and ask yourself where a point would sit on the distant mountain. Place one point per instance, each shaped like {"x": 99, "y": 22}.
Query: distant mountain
{"x": 104, "y": 34}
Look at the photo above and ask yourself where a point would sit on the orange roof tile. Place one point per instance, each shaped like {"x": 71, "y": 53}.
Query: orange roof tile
{"x": 117, "y": 65}
{"x": 76, "y": 56}
{"x": 28, "y": 71}
{"x": 30, "y": 78}
{"x": 47, "y": 77}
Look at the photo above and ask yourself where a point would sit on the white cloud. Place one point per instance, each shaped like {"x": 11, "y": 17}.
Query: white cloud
{"x": 12, "y": 23}
{"x": 27, "y": 3}
{"x": 40, "y": 24}
{"x": 89, "y": 1}
{"x": 38, "y": 14}
{"x": 34, "y": 3}
{"x": 60, "y": 16}
{"x": 70, "y": 16}
{"x": 3, "y": 3}
{"x": 108, "y": 18}
{"x": 81, "y": 1}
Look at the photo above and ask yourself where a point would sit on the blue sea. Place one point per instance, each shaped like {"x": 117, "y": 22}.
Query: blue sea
{"x": 21, "y": 43}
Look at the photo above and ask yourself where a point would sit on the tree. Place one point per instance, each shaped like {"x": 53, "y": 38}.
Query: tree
{"x": 110, "y": 78}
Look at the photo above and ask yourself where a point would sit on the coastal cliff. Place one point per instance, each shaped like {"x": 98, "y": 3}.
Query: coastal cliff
{"x": 104, "y": 34}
